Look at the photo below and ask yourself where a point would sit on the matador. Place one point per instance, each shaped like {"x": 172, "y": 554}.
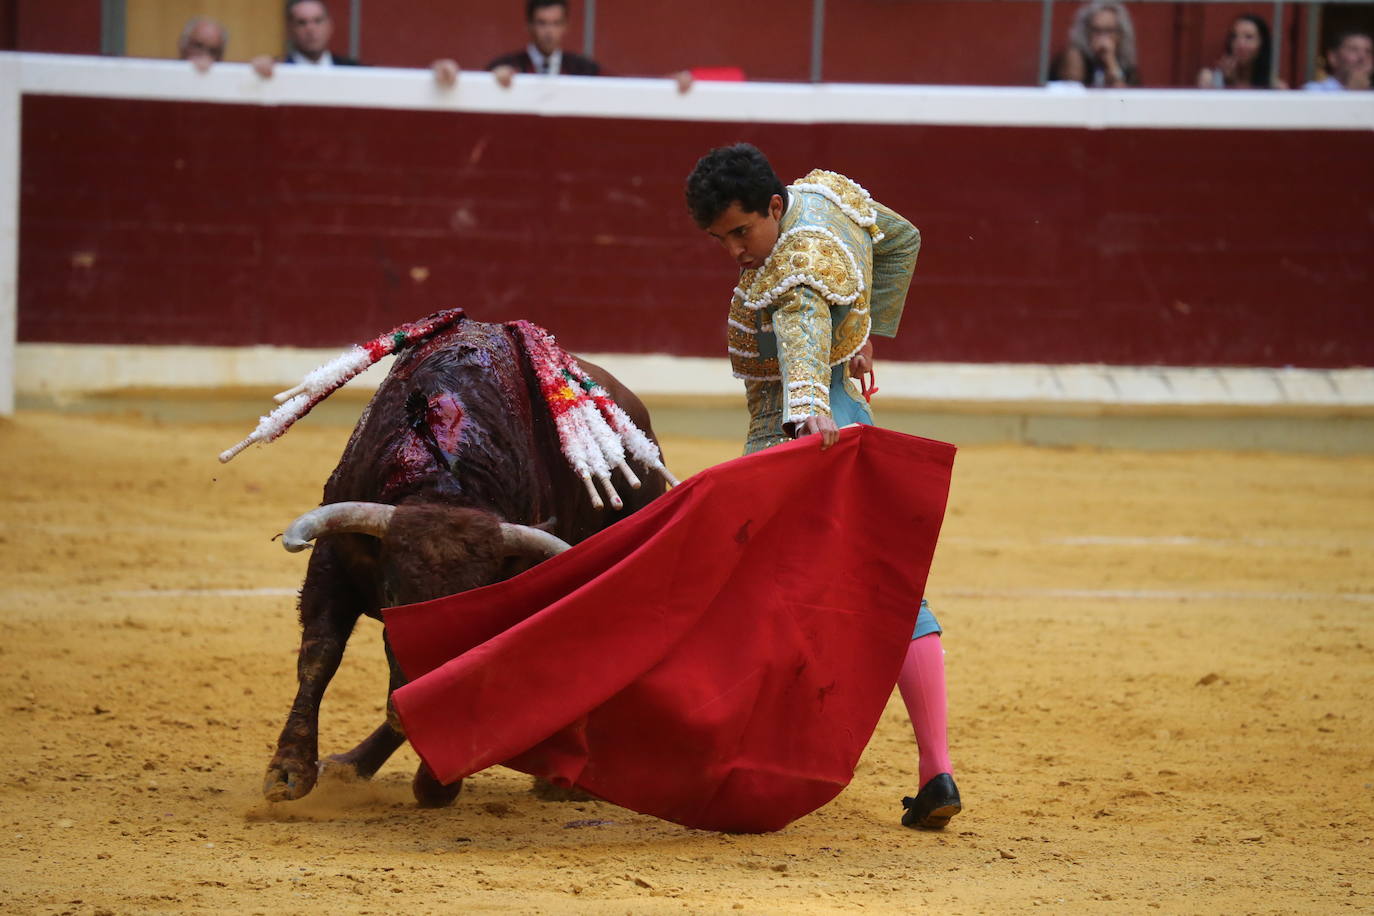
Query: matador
{"x": 822, "y": 267}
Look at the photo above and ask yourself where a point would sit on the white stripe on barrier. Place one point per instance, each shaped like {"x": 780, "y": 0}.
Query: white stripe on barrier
{"x": 9, "y": 224}
{"x": 603, "y": 97}
{"x": 58, "y": 370}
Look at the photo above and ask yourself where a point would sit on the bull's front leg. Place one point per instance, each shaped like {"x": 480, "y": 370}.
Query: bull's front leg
{"x": 429, "y": 792}
{"x": 329, "y": 609}
{"x": 294, "y": 767}
{"x": 367, "y": 758}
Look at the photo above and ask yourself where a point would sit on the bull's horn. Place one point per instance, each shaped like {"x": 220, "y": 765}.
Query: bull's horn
{"x": 527, "y": 540}
{"x": 337, "y": 518}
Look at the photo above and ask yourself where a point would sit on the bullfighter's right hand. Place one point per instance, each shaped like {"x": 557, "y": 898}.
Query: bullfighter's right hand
{"x": 830, "y": 433}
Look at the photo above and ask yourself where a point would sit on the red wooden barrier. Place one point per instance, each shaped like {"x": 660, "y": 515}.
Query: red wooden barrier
{"x": 161, "y": 222}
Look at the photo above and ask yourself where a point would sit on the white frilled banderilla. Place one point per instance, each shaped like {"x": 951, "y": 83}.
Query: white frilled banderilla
{"x": 594, "y": 432}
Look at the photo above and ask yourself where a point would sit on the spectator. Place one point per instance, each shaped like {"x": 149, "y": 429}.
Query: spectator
{"x": 202, "y": 42}
{"x": 1349, "y": 60}
{"x": 310, "y": 29}
{"x": 1101, "y": 51}
{"x": 1248, "y": 59}
{"x": 547, "y": 21}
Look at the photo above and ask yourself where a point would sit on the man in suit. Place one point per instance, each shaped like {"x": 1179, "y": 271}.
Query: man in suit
{"x": 310, "y": 29}
{"x": 547, "y": 21}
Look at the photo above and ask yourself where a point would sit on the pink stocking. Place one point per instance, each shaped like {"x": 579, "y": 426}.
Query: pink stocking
{"x": 922, "y": 683}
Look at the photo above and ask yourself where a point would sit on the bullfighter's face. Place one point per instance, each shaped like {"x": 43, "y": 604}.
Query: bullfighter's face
{"x": 748, "y": 237}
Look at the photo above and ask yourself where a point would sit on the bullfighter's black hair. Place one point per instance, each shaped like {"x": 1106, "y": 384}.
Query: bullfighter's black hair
{"x": 727, "y": 174}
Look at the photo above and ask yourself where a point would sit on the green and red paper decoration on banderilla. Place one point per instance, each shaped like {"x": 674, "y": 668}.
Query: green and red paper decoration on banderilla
{"x": 594, "y": 432}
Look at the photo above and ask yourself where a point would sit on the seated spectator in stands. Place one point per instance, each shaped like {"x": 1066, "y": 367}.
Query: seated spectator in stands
{"x": 202, "y": 42}
{"x": 1247, "y": 61}
{"x": 310, "y": 29}
{"x": 1101, "y": 51}
{"x": 547, "y": 21}
{"x": 1349, "y": 61}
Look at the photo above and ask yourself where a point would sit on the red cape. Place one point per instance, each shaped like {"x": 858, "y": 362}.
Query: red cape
{"x": 719, "y": 659}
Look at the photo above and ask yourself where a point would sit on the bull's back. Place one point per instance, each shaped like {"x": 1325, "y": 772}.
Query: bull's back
{"x": 459, "y": 420}
{"x": 451, "y": 422}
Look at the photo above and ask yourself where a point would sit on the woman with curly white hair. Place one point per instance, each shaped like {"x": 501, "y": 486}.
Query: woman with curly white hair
{"x": 1101, "y": 51}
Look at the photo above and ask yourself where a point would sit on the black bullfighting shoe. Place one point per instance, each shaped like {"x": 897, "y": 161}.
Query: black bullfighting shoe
{"x": 934, "y": 805}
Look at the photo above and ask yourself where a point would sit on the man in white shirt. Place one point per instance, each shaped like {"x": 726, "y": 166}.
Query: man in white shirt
{"x": 547, "y": 21}
{"x": 310, "y": 28}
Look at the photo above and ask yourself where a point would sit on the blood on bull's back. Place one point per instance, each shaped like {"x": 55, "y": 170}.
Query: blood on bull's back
{"x": 454, "y": 422}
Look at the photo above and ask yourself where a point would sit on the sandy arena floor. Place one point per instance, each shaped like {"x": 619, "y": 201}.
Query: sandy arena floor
{"x": 1161, "y": 671}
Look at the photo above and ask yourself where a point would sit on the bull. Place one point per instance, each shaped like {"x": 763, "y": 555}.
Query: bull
{"x": 455, "y": 477}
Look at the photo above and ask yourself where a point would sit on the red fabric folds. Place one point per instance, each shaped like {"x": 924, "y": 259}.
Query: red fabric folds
{"x": 719, "y": 659}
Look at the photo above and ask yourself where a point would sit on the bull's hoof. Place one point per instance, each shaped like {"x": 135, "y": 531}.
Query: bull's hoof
{"x": 430, "y": 792}
{"x": 288, "y": 781}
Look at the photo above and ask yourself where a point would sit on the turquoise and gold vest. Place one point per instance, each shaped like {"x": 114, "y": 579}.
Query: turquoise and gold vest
{"x": 825, "y": 242}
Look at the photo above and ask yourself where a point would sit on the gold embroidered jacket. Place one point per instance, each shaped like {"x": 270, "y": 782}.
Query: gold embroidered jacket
{"x": 839, "y": 271}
